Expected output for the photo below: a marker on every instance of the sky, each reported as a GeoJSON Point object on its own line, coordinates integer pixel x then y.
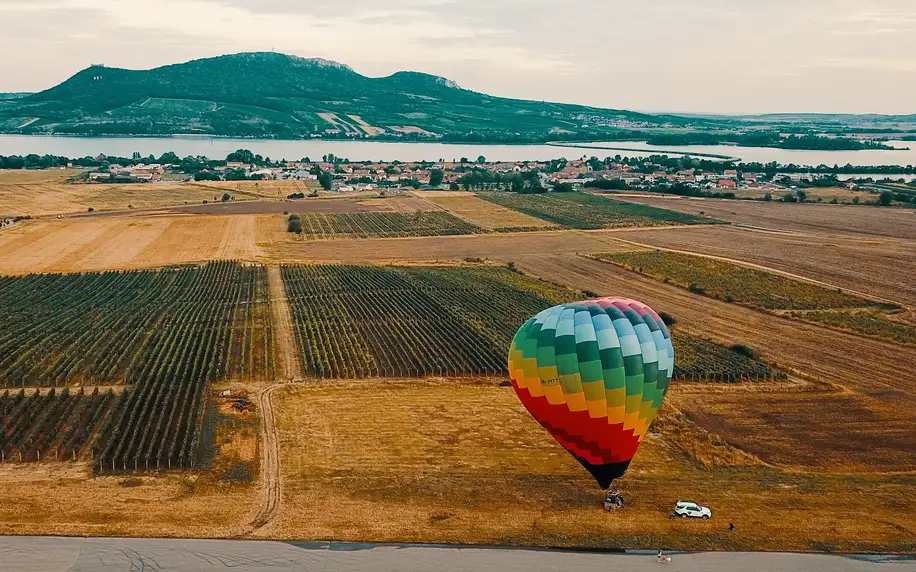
{"type": "Point", "coordinates": [719, 56]}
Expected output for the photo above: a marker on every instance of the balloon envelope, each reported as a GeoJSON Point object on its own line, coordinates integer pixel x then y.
{"type": "Point", "coordinates": [594, 374]}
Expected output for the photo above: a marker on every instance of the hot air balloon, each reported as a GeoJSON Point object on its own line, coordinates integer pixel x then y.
{"type": "Point", "coordinates": [594, 374]}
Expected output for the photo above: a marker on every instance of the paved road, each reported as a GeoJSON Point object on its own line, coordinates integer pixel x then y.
{"type": "Point", "coordinates": [50, 554]}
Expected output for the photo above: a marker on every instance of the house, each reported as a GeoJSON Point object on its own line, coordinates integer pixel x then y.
{"type": "Point", "coordinates": [727, 184]}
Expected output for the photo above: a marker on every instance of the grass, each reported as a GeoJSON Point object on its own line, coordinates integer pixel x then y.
{"type": "Point", "coordinates": [590, 212]}
{"type": "Point", "coordinates": [733, 283]}
{"type": "Point", "coordinates": [870, 323]}
{"type": "Point", "coordinates": [453, 463]}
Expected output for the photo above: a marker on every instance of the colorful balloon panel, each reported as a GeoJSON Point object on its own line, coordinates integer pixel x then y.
{"type": "Point", "coordinates": [594, 374]}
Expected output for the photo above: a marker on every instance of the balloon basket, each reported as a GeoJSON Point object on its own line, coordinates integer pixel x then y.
{"type": "Point", "coordinates": [613, 500]}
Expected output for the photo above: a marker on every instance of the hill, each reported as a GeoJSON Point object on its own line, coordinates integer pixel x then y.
{"type": "Point", "coordinates": [275, 95]}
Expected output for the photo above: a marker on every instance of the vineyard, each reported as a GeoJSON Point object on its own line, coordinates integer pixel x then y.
{"type": "Point", "coordinates": [701, 360]}
{"type": "Point", "coordinates": [165, 333]}
{"type": "Point", "coordinates": [359, 322]}
{"type": "Point", "coordinates": [384, 225]}
{"type": "Point", "coordinates": [362, 322]}
{"type": "Point", "coordinates": [590, 212]}
{"type": "Point", "coordinates": [869, 323]}
{"type": "Point", "coordinates": [55, 425]}
{"type": "Point", "coordinates": [733, 283]}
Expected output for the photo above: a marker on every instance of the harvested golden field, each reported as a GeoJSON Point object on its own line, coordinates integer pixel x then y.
{"type": "Point", "coordinates": [451, 463]}
{"type": "Point", "coordinates": [266, 189]}
{"type": "Point", "coordinates": [817, 218]}
{"type": "Point", "coordinates": [484, 214]}
{"type": "Point", "coordinates": [868, 370]}
{"type": "Point", "coordinates": [883, 268]}
{"type": "Point", "coordinates": [127, 242]}
{"type": "Point", "coordinates": [55, 197]}
{"type": "Point", "coordinates": [501, 247]}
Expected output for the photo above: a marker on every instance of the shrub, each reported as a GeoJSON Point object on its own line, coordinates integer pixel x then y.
{"type": "Point", "coordinates": [294, 225]}
{"type": "Point", "coordinates": [668, 319]}
{"type": "Point", "coordinates": [746, 351]}
{"type": "Point", "coordinates": [227, 197]}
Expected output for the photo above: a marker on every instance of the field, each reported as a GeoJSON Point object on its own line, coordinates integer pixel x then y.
{"type": "Point", "coordinates": [827, 194]}
{"type": "Point", "coordinates": [452, 463]}
{"type": "Point", "coordinates": [502, 247]}
{"type": "Point", "coordinates": [482, 213]}
{"type": "Point", "coordinates": [590, 212]}
{"type": "Point", "coordinates": [369, 402]}
{"type": "Point", "coordinates": [167, 334]}
{"type": "Point", "coordinates": [354, 322]}
{"type": "Point", "coordinates": [884, 268]}
{"type": "Point", "coordinates": [726, 281]}
{"type": "Point", "coordinates": [765, 290]}
{"type": "Point", "coordinates": [854, 379]}
{"type": "Point", "coordinates": [43, 193]}
{"type": "Point", "coordinates": [811, 218]}
{"type": "Point", "coordinates": [326, 205]}
{"type": "Point", "coordinates": [130, 242]}
{"type": "Point", "coordinates": [56, 425]}
{"type": "Point", "coordinates": [368, 322]}
{"type": "Point", "coordinates": [384, 225]}
{"type": "Point", "coordinates": [869, 323]}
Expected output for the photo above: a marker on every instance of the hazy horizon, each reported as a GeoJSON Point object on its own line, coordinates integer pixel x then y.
{"type": "Point", "coordinates": [705, 56]}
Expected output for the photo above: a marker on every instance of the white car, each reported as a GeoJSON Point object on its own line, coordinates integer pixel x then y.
{"type": "Point", "coordinates": [689, 509]}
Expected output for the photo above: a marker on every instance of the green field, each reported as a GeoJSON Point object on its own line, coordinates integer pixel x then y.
{"type": "Point", "coordinates": [733, 283]}
{"type": "Point", "coordinates": [869, 323]}
{"type": "Point", "coordinates": [590, 212]}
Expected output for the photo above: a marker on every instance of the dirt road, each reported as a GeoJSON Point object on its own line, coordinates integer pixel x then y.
{"type": "Point", "coordinates": [287, 352]}
{"type": "Point", "coordinates": [289, 370]}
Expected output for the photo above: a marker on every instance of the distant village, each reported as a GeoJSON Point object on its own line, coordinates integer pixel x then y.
{"type": "Point", "coordinates": [343, 176]}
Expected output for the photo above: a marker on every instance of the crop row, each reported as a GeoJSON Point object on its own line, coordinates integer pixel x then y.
{"type": "Point", "coordinates": [167, 333]}
{"type": "Point", "coordinates": [357, 322]}
{"type": "Point", "coordinates": [384, 225]}
{"type": "Point", "coordinates": [589, 212]}
{"type": "Point", "coordinates": [56, 425]}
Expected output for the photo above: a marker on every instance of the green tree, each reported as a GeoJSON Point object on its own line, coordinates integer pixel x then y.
{"type": "Point", "coordinates": [481, 160]}
{"type": "Point", "coordinates": [886, 198]}
{"type": "Point", "coordinates": [435, 177]}
{"type": "Point", "coordinates": [227, 197]}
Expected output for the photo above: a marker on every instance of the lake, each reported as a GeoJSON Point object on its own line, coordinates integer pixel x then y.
{"type": "Point", "coordinates": [218, 148]}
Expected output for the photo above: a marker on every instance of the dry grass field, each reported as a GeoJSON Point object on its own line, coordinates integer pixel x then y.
{"type": "Point", "coordinates": [884, 268]}
{"type": "Point", "coordinates": [811, 218]}
{"type": "Point", "coordinates": [482, 213]}
{"type": "Point", "coordinates": [44, 193]}
{"type": "Point", "coordinates": [501, 247]}
{"type": "Point", "coordinates": [128, 242]}
{"type": "Point", "coordinates": [442, 462]}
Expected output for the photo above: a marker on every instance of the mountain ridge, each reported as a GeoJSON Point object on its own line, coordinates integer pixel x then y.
{"type": "Point", "coordinates": [266, 94]}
